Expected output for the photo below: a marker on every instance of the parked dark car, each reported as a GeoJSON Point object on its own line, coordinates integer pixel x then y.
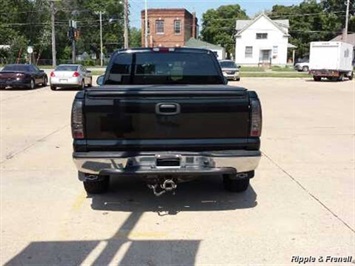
{"type": "Point", "coordinates": [22, 76]}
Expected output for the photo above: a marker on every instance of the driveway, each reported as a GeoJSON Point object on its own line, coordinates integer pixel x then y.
{"type": "Point", "coordinates": [299, 208]}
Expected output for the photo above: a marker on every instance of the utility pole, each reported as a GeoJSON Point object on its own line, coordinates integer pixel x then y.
{"type": "Point", "coordinates": [345, 33]}
{"type": "Point", "coordinates": [72, 28]}
{"type": "Point", "coordinates": [54, 52]}
{"type": "Point", "coordinates": [101, 43]}
{"type": "Point", "coordinates": [125, 24]}
{"type": "Point", "coordinates": [145, 23]}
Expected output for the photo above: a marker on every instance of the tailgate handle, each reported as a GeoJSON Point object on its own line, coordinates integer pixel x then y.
{"type": "Point", "coordinates": [167, 108]}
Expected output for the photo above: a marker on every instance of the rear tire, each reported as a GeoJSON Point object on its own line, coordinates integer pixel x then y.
{"type": "Point", "coordinates": [98, 186]}
{"type": "Point", "coordinates": [90, 83]}
{"type": "Point", "coordinates": [32, 85]}
{"type": "Point", "coordinates": [53, 88]}
{"type": "Point", "coordinates": [351, 76]}
{"type": "Point", "coordinates": [235, 185]}
{"type": "Point", "coordinates": [82, 85]}
{"type": "Point", "coordinates": [305, 69]}
{"type": "Point", "coordinates": [45, 81]}
{"type": "Point", "coordinates": [315, 78]}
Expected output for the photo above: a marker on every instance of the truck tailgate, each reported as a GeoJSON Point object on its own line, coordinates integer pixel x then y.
{"type": "Point", "coordinates": [166, 117]}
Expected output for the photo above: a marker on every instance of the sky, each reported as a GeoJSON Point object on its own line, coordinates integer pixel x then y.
{"type": "Point", "coordinates": [201, 6]}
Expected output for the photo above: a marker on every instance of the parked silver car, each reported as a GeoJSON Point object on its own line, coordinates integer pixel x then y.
{"type": "Point", "coordinates": [230, 69]}
{"type": "Point", "coordinates": [70, 76]}
{"type": "Point", "coordinates": [302, 64]}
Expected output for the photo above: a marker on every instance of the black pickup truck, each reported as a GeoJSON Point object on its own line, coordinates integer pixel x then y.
{"type": "Point", "coordinates": [166, 115]}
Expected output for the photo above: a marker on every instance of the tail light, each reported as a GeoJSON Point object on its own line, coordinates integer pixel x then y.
{"type": "Point", "coordinates": [163, 49]}
{"type": "Point", "coordinates": [76, 74]}
{"type": "Point", "coordinates": [52, 74]}
{"type": "Point", "coordinates": [77, 120]}
{"type": "Point", "coordinates": [256, 118]}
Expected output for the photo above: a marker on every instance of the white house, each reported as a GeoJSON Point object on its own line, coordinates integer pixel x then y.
{"type": "Point", "coordinates": [262, 41]}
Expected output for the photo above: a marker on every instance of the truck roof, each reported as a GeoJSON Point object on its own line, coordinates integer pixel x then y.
{"type": "Point", "coordinates": [165, 49]}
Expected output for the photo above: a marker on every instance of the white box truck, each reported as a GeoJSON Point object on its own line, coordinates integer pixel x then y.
{"type": "Point", "coordinates": [331, 60]}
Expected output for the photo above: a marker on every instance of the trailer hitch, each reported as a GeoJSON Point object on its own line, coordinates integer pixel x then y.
{"type": "Point", "coordinates": [167, 185]}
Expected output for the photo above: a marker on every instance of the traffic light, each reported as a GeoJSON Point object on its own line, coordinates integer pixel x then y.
{"type": "Point", "coordinates": [76, 34]}
{"type": "Point", "coordinates": [71, 32]}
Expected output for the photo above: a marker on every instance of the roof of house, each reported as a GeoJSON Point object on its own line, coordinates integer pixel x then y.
{"type": "Point", "coordinates": [281, 24]}
{"type": "Point", "coordinates": [192, 42]}
{"type": "Point", "coordinates": [350, 38]}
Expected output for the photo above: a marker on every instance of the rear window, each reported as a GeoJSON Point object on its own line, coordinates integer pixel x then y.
{"type": "Point", "coordinates": [66, 68]}
{"type": "Point", "coordinates": [22, 68]}
{"type": "Point", "coordinates": [227, 64]}
{"type": "Point", "coordinates": [164, 68]}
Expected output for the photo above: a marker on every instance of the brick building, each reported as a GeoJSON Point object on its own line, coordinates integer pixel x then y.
{"type": "Point", "coordinates": [169, 27]}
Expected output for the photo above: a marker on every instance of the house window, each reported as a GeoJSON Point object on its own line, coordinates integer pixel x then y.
{"type": "Point", "coordinates": [248, 51]}
{"type": "Point", "coordinates": [275, 50]}
{"type": "Point", "coordinates": [148, 28]}
{"type": "Point", "coordinates": [159, 26]}
{"type": "Point", "coordinates": [260, 36]}
{"type": "Point", "coordinates": [177, 26]}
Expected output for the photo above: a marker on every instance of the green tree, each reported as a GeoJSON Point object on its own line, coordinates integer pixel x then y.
{"type": "Point", "coordinates": [14, 27]}
{"type": "Point", "coordinates": [8, 22]}
{"type": "Point", "coordinates": [338, 8]}
{"type": "Point", "coordinates": [308, 22]}
{"type": "Point", "coordinates": [135, 37]}
{"type": "Point", "coordinates": [218, 25]}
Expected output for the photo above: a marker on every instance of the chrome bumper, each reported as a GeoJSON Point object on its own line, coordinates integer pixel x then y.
{"type": "Point", "coordinates": [146, 163]}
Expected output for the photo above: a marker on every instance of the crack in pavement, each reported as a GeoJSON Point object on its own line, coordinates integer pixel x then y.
{"type": "Point", "coordinates": [12, 155]}
{"type": "Point", "coordinates": [308, 192]}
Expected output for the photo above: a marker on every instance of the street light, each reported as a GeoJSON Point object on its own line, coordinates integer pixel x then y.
{"type": "Point", "coordinates": [125, 22]}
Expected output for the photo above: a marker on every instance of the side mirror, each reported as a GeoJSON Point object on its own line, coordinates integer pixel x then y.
{"type": "Point", "coordinates": [238, 66]}
{"type": "Point", "coordinates": [225, 80]}
{"type": "Point", "coordinates": [100, 80]}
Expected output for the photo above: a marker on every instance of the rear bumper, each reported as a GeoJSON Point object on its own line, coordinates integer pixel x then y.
{"type": "Point", "coordinates": [65, 82]}
{"type": "Point", "coordinates": [145, 163]}
{"type": "Point", "coordinates": [15, 83]}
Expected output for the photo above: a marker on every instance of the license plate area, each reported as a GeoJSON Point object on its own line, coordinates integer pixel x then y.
{"type": "Point", "coordinates": [168, 162]}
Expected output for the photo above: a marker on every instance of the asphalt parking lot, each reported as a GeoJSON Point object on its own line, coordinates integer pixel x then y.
{"type": "Point", "coordinates": [300, 206]}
